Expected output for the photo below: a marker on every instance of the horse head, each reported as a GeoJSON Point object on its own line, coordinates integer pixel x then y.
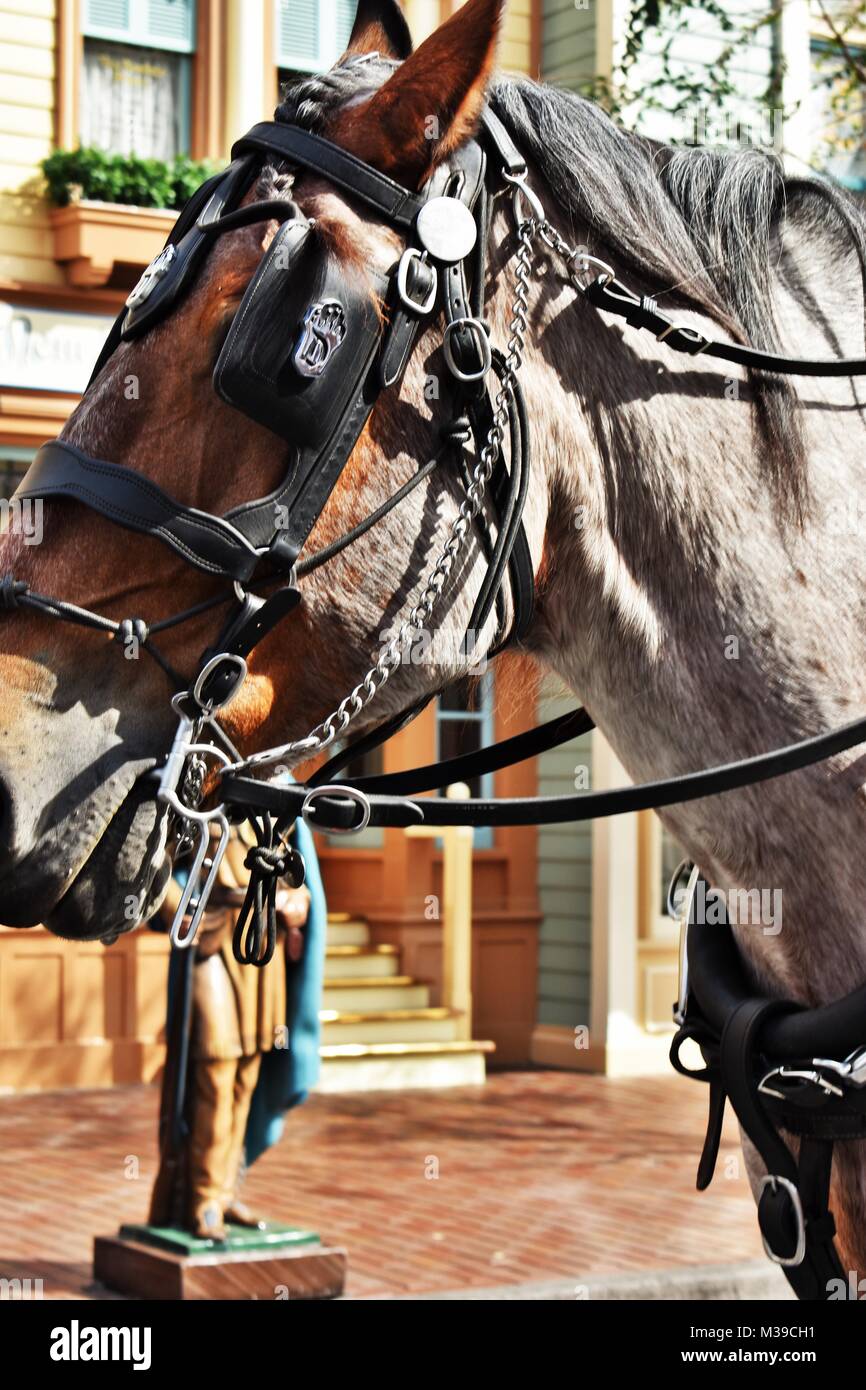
{"type": "Point", "coordinates": [87, 718]}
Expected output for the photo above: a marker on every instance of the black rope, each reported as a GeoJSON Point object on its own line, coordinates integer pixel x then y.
{"type": "Point", "coordinates": [255, 935]}
{"type": "Point", "coordinates": [16, 593]}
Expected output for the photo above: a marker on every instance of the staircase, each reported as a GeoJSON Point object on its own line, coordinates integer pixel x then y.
{"type": "Point", "coordinates": [379, 1031]}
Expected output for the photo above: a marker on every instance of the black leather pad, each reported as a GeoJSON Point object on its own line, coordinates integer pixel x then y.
{"type": "Point", "coordinates": [256, 370]}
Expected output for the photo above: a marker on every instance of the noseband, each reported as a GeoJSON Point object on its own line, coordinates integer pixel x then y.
{"type": "Point", "coordinates": [308, 356]}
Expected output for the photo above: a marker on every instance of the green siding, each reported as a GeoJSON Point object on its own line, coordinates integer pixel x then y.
{"type": "Point", "coordinates": [567, 44]}
{"type": "Point", "coordinates": [564, 886]}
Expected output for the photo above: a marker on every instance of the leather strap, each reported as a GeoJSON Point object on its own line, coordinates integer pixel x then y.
{"type": "Point", "coordinates": [395, 811]}
{"type": "Point", "coordinates": [614, 297]}
{"type": "Point", "coordinates": [298, 146]}
{"type": "Point", "coordinates": [208, 542]}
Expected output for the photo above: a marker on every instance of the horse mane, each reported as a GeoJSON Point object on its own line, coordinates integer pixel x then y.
{"type": "Point", "coordinates": [702, 226]}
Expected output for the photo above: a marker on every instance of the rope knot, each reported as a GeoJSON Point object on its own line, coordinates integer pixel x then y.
{"type": "Point", "coordinates": [458, 431]}
{"type": "Point", "coordinates": [267, 863]}
{"type": "Point", "coordinates": [132, 628]}
{"type": "Point", "coordinates": [10, 588]}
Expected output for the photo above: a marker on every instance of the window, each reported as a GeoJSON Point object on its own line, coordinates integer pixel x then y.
{"type": "Point", "coordinates": [136, 80]}
{"type": "Point", "coordinates": [464, 723]}
{"type": "Point", "coordinates": [14, 463]}
{"type": "Point", "coordinates": [311, 35]}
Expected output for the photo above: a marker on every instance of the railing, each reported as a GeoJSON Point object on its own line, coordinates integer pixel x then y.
{"type": "Point", "coordinates": [456, 912]}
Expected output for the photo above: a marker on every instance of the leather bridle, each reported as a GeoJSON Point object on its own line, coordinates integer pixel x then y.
{"type": "Point", "coordinates": [440, 272]}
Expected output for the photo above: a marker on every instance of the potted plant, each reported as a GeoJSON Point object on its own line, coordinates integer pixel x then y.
{"type": "Point", "coordinates": [113, 210]}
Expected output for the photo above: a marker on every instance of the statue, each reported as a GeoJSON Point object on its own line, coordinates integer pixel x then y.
{"type": "Point", "coordinates": [243, 1045]}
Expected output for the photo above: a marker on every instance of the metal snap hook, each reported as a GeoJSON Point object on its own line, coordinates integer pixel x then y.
{"type": "Point", "coordinates": [520, 188]}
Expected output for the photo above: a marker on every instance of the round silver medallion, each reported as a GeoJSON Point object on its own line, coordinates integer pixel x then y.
{"type": "Point", "coordinates": [446, 229]}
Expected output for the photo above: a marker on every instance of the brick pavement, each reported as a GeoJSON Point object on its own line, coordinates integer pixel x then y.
{"type": "Point", "coordinates": [541, 1175]}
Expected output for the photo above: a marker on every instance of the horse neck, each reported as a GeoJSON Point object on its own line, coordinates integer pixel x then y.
{"type": "Point", "coordinates": [696, 623]}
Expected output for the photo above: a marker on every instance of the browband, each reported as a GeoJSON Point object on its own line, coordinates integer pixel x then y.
{"type": "Point", "coordinates": [348, 172]}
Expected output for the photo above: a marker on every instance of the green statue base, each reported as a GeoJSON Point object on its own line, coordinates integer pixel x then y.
{"type": "Point", "coordinates": [281, 1262]}
{"type": "Point", "coordinates": [181, 1242]}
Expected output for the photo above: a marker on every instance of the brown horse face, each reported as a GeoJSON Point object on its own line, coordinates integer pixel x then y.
{"type": "Point", "coordinates": [85, 720]}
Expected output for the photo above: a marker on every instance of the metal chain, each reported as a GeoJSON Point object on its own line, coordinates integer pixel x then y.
{"type": "Point", "coordinates": [578, 261]}
{"type": "Point", "coordinates": [336, 723]}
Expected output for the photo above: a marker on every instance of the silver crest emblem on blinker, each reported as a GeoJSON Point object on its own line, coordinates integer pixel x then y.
{"type": "Point", "coordinates": [156, 271]}
{"type": "Point", "coordinates": [322, 332]}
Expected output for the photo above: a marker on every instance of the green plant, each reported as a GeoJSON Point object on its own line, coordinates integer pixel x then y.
{"type": "Point", "coordinates": [89, 172]}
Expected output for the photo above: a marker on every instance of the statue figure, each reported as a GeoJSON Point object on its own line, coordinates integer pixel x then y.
{"type": "Point", "coordinates": [243, 1044]}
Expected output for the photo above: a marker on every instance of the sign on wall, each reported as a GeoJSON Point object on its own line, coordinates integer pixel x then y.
{"type": "Point", "coordinates": [48, 349]}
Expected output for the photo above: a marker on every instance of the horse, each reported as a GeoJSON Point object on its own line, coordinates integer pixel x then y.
{"type": "Point", "coordinates": [693, 528]}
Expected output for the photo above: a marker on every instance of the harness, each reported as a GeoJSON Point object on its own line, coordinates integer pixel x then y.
{"type": "Point", "coordinates": [783, 1068]}
{"type": "Point", "coordinates": [308, 357]}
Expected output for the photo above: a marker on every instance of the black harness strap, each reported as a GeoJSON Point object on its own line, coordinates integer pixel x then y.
{"type": "Point", "coordinates": [349, 173]}
{"type": "Point", "coordinates": [641, 311]}
{"type": "Point", "coordinates": [335, 812]}
{"type": "Point", "coordinates": [210, 543]}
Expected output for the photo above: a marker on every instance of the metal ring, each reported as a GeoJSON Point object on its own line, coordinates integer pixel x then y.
{"type": "Point", "coordinates": [605, 275]}
{"type": "Point", "coordinates": [773, 1180]}
{"type": "Point", "coordinates": [209, 667]}
{"type": "Point", "coordinates": [483, 341]}
{"type": "Point", "coordinates": [335, 789]}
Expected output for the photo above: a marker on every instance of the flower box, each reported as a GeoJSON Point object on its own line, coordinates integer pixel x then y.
{"type": "Point", "coordinates": [91, 239]}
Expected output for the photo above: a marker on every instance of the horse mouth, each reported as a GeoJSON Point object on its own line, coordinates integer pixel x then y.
{"type": "Point", "coordinates": [118, 881]}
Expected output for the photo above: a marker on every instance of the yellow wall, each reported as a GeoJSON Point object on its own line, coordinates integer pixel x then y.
{"type": "Point", "coordinates": [27, 94]}
{"type": "Point", "coordinates": [27, 56]}
{"type": "Point", "coordinates": [516, 46]}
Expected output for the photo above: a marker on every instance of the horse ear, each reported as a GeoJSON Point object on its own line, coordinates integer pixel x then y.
{"type": "Point", "coordinates": [379, 27]}
{"type": "Point", "coordinates": [432, 103]}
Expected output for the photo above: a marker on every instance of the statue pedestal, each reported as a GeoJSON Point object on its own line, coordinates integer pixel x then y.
{"type": "Point", "coordinates": [281, 1262]}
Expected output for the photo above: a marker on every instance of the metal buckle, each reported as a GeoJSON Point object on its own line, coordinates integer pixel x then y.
{"type": "Point", "coordinates": [230, 659]}
{"type": "Point", "coordinates": [335, 789]}
{"type": "Point", "coordinates": [852, 1070]}
{"type": "Point", "coordinates": [583, 261]}
{"type": "Point", "coordinates": [482, 339]}
{"type": "Point", "coordinates": [773, 1180]}
{"type": "Point", "coordinates": [811, 1077]}
{"type": "Point", "coordinates": [415, 306]}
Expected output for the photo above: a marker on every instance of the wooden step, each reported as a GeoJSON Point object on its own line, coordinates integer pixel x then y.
{"type": "Point", "coordinates": [388, 1025]}
{"type": "Point", "coordinates": [368, 962]}
{"type": "Point", "coordinates": [358, 994]}
{"type": "Point", "coordinates": [352, 932]}
{"type": "Point", "coordinates": [402, 1066]}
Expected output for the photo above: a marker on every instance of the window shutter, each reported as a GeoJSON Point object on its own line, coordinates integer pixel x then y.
{"type": "Point", "coordinates": [106, 19]}
{"type": "Point", "coordinates": [166, 24]}
{"type": "Point", "coordinates": [345, 20]}
{"type": "Point", "coordinates": [171, 24]}
{"type": "Point", "coordinates": [298, 34]}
